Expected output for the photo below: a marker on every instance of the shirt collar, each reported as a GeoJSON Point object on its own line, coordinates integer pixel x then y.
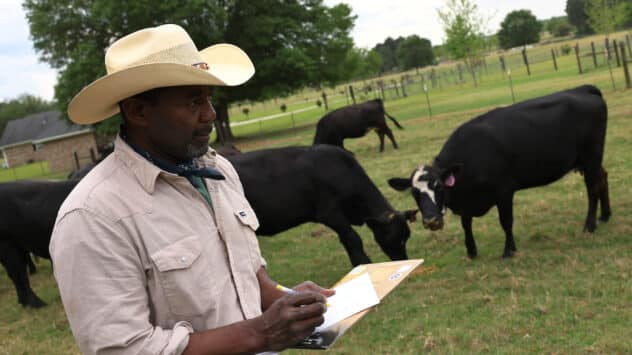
{"type": "Point", "coordinates": [147, 172]}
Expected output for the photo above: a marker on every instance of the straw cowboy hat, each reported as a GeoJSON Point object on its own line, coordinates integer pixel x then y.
{"type": "Point", "coordinates": [152, 58]}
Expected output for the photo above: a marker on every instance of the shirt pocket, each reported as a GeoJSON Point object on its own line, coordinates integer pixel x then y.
{"type": "Point", "coordinates": [247, 217]}
{"type": "Point", "coordinates": [185, 277]}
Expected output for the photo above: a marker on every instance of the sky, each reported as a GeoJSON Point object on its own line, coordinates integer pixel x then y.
{"type": "Point", "coordinates": [21, 72]}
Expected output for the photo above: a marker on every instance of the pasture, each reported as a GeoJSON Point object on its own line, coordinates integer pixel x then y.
{"type": "Point", "coordinates": [564, 291]}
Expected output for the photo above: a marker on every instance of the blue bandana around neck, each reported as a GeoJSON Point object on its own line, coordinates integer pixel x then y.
{"type": "Point", "coordinates": [186, 169]}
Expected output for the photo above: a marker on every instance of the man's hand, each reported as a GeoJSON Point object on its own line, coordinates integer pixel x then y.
{"type": "Point", "coordinates": [291, 319]}
{"type": "Point", "coordinates": [313, 287]}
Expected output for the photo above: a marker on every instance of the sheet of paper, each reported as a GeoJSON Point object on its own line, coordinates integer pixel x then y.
{"type": "Point", "coordinates": [350, 298]}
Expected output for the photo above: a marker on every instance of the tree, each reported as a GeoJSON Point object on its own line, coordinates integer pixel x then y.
{"type": "Point", "coordinates": [293, 43]}
{"type": "Point", "coordinates": [606, 16]}
{"type": "Point", "coordinates": [464, 28]}
{"type": "Point", "coordinates": [361, 63]}
{"type": "Point", "coordinates": [519, 28]}
{"type": "Point", "coordinates": [387, 51]}
{"type": "Point", "coordinates": [577, 16]}
{"type": "Point", "coordinates": [414, 52]}
{"type": "Point", "coordinates": [21, 106]}
{"type": "Point", "coordinates": [558, 26]}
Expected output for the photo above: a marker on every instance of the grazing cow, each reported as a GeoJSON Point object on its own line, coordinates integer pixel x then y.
{"type": "Point", "coordinates": [355, 121]}
{"type": "Point", "coordinates": [27, 216]}
{"type": "Point", "coordinates": [291, 186]}
{"type": "Point", "coordinates": [533, 143]}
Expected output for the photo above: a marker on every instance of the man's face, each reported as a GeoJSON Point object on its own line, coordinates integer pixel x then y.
{"type": "Point", "coordinates": [180, 122]}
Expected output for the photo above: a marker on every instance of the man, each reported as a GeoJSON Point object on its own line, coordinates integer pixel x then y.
{"type": "Point", "coordinates": [154, 251]}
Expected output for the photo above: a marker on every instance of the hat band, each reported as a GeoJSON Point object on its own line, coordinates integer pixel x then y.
{"type": "Point", "coordinates": [185, 53]}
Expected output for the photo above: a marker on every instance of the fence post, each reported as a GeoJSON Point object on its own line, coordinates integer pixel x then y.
{"type": "Point", "coordinates": [503, 69]}
{"type": "Point", "coordinates": [433, 78]}
{"type": "Point", "coordinates": [594, 54]}
{"type": "Point", "coordinates": [460, 70]}
{"type": "Point", "coordinates": [394, 82]}
{"type": "Point", "coordinates": [579, 61]}
{"type": "Point", "coordinates": [626, 72]}
{"type": "Point", "coordinates": [352, 94]}
{"type": "Point", "coordinates": [554, 60]}
{"type": "Point", "coordinates": [381, 84]}
{"type": "Point", "coordinates": [607, 42]}
{"type": "Point", "coordinates": [93, 156]}
{"type": "Point", "coordinates": [526, 60]}
{"type": "Point", "coordinates": [403, 83]}
{"type": "Point", "coordinates": [76, 160]}
{"type": "Point", "coordinates": [513, 96]}
{"type": "Point", "coordinates": [325, 101]}
{"type": "Point", "coordinates": [616, 52]}
{"type": "Point", "coordinates": [428, 100]}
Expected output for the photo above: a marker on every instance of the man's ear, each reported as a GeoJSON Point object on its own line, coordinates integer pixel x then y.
{"type": "Point", "coordinates": [399, 184]}
{"type": "Point", "coordinates": [135, 111]}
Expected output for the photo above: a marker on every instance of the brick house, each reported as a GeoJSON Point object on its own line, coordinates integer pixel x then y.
{"type": "Point", "coordinates": [46, 137]}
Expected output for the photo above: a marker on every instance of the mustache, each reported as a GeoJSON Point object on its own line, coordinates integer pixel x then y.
{"type": "Point", "coordinates": [202, 131]}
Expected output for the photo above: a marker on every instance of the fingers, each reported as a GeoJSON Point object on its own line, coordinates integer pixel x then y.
{"type": "Point", "coordinates": [311, 286]}
{"type": "Point", "coordinates": [306, 298]}
{"type": "Point", "coordinates": [292, 318]}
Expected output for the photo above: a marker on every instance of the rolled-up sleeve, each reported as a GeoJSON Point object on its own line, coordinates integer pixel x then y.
{"type": "Point", "coordinates": [102, 283]}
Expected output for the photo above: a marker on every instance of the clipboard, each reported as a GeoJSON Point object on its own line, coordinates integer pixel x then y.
{"type": "Point", "coordinates": [384, 277]}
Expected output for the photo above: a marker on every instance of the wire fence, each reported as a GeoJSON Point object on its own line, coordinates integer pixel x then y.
{"type": "Point", "coordinates": [583, 57]}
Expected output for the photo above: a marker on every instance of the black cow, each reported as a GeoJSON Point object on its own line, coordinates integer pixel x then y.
{"type": "Point", "coordinates": [533, 143]}
{"type": "Point", "coordinates": [27, 217]}
{"type": "Point", "coordinates": [355, 121]}
{"type": "Point", "coordinates": [325, 184]}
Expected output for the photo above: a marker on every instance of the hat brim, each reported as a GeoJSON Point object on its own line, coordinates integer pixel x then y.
{"type": "Point", "coordinates": [228, 65]}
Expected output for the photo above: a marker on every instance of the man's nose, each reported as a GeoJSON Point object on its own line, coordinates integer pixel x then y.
{"type": "Point", "coordinates": [208, 112]}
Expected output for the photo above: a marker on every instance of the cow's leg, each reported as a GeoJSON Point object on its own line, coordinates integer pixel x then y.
{"type": "Point", "coordinates": [14, 261]}
{"type": "Point", "coordinates": [470, 244]}
{"type": "Point", "coordinates": [31, 264]}
{"type": "Point", "coordinates": [505, 214]}
{"type": "Point", "coordinates": [592, 180]}
{"type": "Point", "coordinates": [604, 196]}
{"type": "Point", "coordinates": [348, 237]}
{"type": "Point", "coordinates": [380, 134]}
{"type": "Point", "coordinates": [389, 133]}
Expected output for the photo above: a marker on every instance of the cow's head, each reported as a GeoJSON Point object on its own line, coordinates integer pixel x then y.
{"type": "Point", "coordinates": [391, 232]}
{"type": "Point", "coordinates": [430, 187]}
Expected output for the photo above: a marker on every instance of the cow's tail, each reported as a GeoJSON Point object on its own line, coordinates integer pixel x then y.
{"type": "Point", "coordinates": [394, 120]}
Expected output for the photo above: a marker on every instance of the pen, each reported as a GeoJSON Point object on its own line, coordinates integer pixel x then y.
{"type": "Point", "coordinates": [290, 291]}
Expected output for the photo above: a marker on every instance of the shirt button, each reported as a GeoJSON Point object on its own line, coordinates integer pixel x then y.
{"type": "Point", "coordinates": [183, 259]}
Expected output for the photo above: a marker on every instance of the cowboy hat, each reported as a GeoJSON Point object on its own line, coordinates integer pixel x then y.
{"type": "Point", "coordinates": [157, 57]}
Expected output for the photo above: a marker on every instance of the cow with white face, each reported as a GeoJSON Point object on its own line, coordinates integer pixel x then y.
{"type": "Point", "coordinates": [430, 189]}
{"type": "Point", "coordinates": [533, 143]}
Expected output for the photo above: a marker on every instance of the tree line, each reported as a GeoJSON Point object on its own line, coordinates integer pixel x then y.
{"type": "Point", "coordinates": [294, 43]}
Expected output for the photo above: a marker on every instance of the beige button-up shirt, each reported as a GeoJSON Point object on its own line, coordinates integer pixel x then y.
{"type": "Point", "coordinates": [142, 260]}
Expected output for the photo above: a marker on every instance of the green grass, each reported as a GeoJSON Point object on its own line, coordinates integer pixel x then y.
{"type": "Point", "coordinates": [564, 292]}
{"type": "Point", "coordinates": [37, 170]}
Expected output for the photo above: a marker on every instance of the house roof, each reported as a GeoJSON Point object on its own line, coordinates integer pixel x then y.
{"type": "Point", "coordinates": [39, 127]}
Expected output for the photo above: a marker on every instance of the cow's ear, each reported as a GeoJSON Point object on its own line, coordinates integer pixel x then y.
{"type": "Point", "coordinates": [449, 175]}
{"type": "Point", "coordinates": [411, 215]}
{"type": "Point", "coordinates": [399, 184]}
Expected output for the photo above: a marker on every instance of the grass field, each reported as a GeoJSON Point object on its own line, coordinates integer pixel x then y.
{"type": "Point", "coordinates": [37, 170]}
{"type": "Point", "coordinates": [565, 292]}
